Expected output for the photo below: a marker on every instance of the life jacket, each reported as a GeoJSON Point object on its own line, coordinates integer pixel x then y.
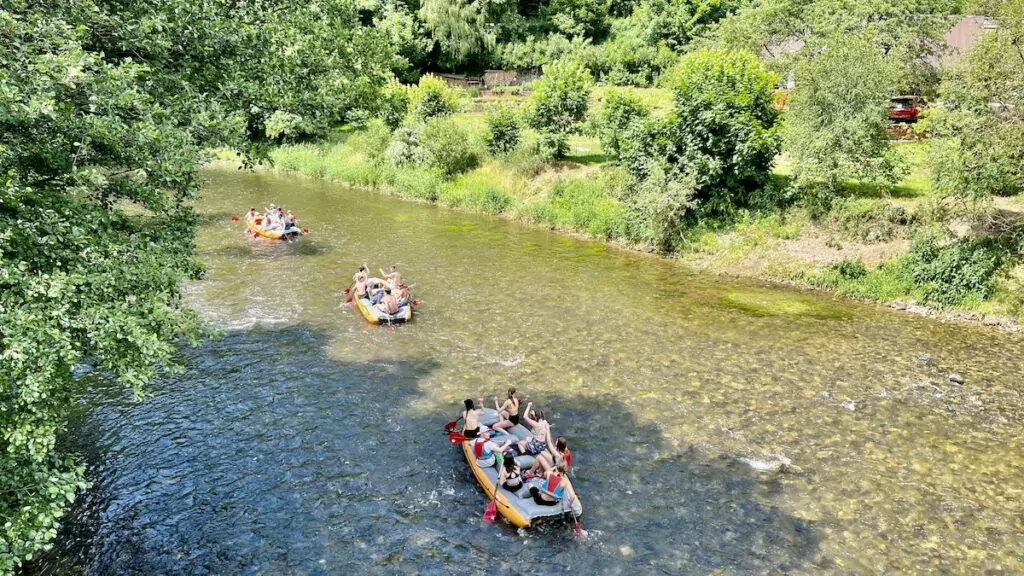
{"type": "Point", "coordinates": [568, 458]}
{"type": "Point", "coordinates": [478, 448]}
{"type": "Point", "coordinates": [553, 481]}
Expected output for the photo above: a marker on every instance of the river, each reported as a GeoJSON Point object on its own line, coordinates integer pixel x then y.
{"type": "Point", "coordinates": [304, 441]}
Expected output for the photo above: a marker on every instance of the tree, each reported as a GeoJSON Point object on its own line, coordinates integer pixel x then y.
{"type": "Point", "coordinates": [908, 33]}
{"type": "Point", "coordinates": [559, 104]}
{"type": "Point", "coordinates": [979, 132]}
{"type": "Point", "coordinates": [459, 27]}
{"type": "Point", "coordinates": [710, 154]}
{"type": "Point", "coordinates": [838, 112]}
{"type": "Point", "coordinates": [577, 18]}
{"type": "Point", "coordinates": [105, 107]}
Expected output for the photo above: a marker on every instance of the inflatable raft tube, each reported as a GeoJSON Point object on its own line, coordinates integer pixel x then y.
{"type": "Point", "coordinates": [375, 316]}
{"type": "Point", "coordinates": [258, 230]}
{"type": "Point", "coordinates": [520, 511]}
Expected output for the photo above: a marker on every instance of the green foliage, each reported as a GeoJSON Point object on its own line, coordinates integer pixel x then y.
{"type": "Point", "coordinates": [837, 273]}
{"type": "Point", "coordinates": [105, 108]}
{"type": "Point", "coordinates": [433, 98]}
{"type": "Point", "coordinates": [657, 207]}
{"type": "Point", "coordinates": [503, 130]}
{"type": "Point", "coordinates": [837, 116]}
{"type": "Point", "coordinates": [979, 132]}
{"type": "Point", "coordinates": [868, 220]}
{"type": "Point", "coordinates": [284, 126]}
{"type": "Point", "coordinates": [619, 113]}
{"type": "Point", "coordinates": [676, 23]}
{"type": "Point", "coordinates": [407, 38]}
{"type": "Point", "coordinates": [459, 27]}
{"type": "Point", "coordinates": [406, 147]}
{"type": "Point", "coordinates": [583, 204]}
{"type": "Point", "coordinates": [625, 59]}
{"type": "Point", "coordinates": [394, 104]}
{"type": "Point", "coordinates": [950, 274]}
{"type": "Point", "coordinates": [552, 145]}
{"type": "Point", "coordinates": [910, 34]}
{"type": "Point", "coordinates": [577, 18]}
{"type": "Point", "coordinates": [559, 104]}
{"type": "Point", "coordinates": [449, 147]}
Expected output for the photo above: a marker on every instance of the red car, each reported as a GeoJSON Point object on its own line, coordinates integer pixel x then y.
{"type": "Point", "coordinates": [905, 108]}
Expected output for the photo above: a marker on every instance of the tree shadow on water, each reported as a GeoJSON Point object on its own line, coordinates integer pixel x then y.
{"type": "Point", "coordinates": [650, 508]}
{"type": "Point", "coordinates": [268, 457]}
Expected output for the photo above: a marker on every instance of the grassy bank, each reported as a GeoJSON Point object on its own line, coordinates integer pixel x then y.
{"type": "Point", "coordinates": [883, 246]}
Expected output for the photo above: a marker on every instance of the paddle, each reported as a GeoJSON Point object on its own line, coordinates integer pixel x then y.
{"type": "Point", "coordinates": [580, 534]}
{"type": "Point", "coordinates": [346, 291]}
{"type": "Point", "coordinates": [491, 513]}
{"type": "Point", "coordinates": [450, 426]}
{"type": "Point", "coordinates": [235, 218]}
{"type": "Point", "coordinates": [456, 437]}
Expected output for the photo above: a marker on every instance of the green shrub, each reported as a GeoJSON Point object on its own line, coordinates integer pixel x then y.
{"type": "Point", "coordinates": [407, 148]}
{"type": "Point", "coordinates": [284, 126]}
{"type": "Point", "coordinates": [372, 142]}
{"type": "Point", "coordinates": [552, 145]}
{"type": "Point", "coordinates": [433, 98]}
{"type": "Point", "coordinates": [394, 104]}
{"type": "Point", "coordinates": [620, 111]}
{"type": "Point", "coordinates": [419, 183]}
{"type": "Point", "coordinates": [838, 272]}
{"type": "Point", "coordinates": [559, 103]}
{"type": "Point", "coordinates": [449, 147]}
{"type": "Point", "coordinates": [585, 204]}
{"type": "Point", "coordinates": [868, 220]}
{"type": "Point", "coordinates": [474, 193]}
{"type": "Point", "coordinates": [526, 161]}
{"type": "Point", "coordinates": [949, 274]}
{"type": "Point", "coordinates": [503, 130]}
{"type": "Point", "coordinates": [712, 153]}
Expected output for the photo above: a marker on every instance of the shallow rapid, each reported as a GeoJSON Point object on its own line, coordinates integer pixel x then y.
{"type": "Point", "coordinates": [716, 424]}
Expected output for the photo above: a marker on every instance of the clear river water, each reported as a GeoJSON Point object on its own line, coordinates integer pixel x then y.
{"type": "Point", "coordinates": [719, 426]}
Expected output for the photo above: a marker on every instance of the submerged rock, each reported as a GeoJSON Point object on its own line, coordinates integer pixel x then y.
{"type": "Point", "coordinates": [955, 378]}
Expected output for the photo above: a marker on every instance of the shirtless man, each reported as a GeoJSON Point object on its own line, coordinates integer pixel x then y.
{"type": "Point", "coordinates": [388, 304]}
{"type": "Point", "coordinates": [251, 216]}
{"type": "Point", "coordinates": [363, 271]}
{"type": "Point", "coordinates": [360, 289]}
{"type": "Point", "coordinates": [404, 295]}
{"type": "Point", "coordinates": [392, 277]}
{"type": "Point", "coordinates": [471, 418]}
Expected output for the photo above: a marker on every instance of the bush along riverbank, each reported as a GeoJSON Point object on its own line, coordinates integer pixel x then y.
{"type": "Point", "coordinates": [623, 165]}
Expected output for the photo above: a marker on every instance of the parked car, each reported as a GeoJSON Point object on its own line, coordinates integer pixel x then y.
{"type": "Point", "coordinates": [905, 109]}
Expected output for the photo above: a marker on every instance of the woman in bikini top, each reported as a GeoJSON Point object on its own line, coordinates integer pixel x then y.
{"type": "Point", "coordinates": [471, 419]}
{"type": "Point", "coordinates": [510, 409]}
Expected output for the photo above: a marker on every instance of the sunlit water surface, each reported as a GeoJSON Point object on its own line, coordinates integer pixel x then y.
{"type": "Point", "coordinates": [307, 442]}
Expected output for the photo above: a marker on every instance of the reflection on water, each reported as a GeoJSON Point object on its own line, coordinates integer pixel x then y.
{"type": "Point", "coordinates": [718, 424]}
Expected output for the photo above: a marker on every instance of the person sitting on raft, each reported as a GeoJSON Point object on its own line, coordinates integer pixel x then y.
{"type": "Point", "coordinates": [508, 412]}
{"type": "Point", "coordinates": [558, 453]}
{"type": "Point", "coordinates": [363, 271]}
{"type": "Point", "coordinates": [360, 289]}
{"type": "Point", "coordinates": [388, 304]}
{"type": "Point", "coordinates": [392, 277]}
{"type": "Point", "coordinates": [509, 477]}
{"type": "Point", "coordinates": [485, 449]}
{"type": "Point", "coordinates": [471, 418]}
{"type": "Point", "coordinates": [252, 215]}
{"type": "Point", "coordinates": [404, 295]}
{"type": "Point", "coordinates": [557, 488]}
{"type": "Point", "coordinates": [540, 430]}
{"type": "Point", "coordinates": [290, 223]}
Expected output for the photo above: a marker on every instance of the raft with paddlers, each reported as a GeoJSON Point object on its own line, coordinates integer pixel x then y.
{"type": "Point", "coordinates": [518, 507]}
{"type": "Point", "coordinates": [375, 315]}
{"type": "Point", "coordinates": [256, 229]}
